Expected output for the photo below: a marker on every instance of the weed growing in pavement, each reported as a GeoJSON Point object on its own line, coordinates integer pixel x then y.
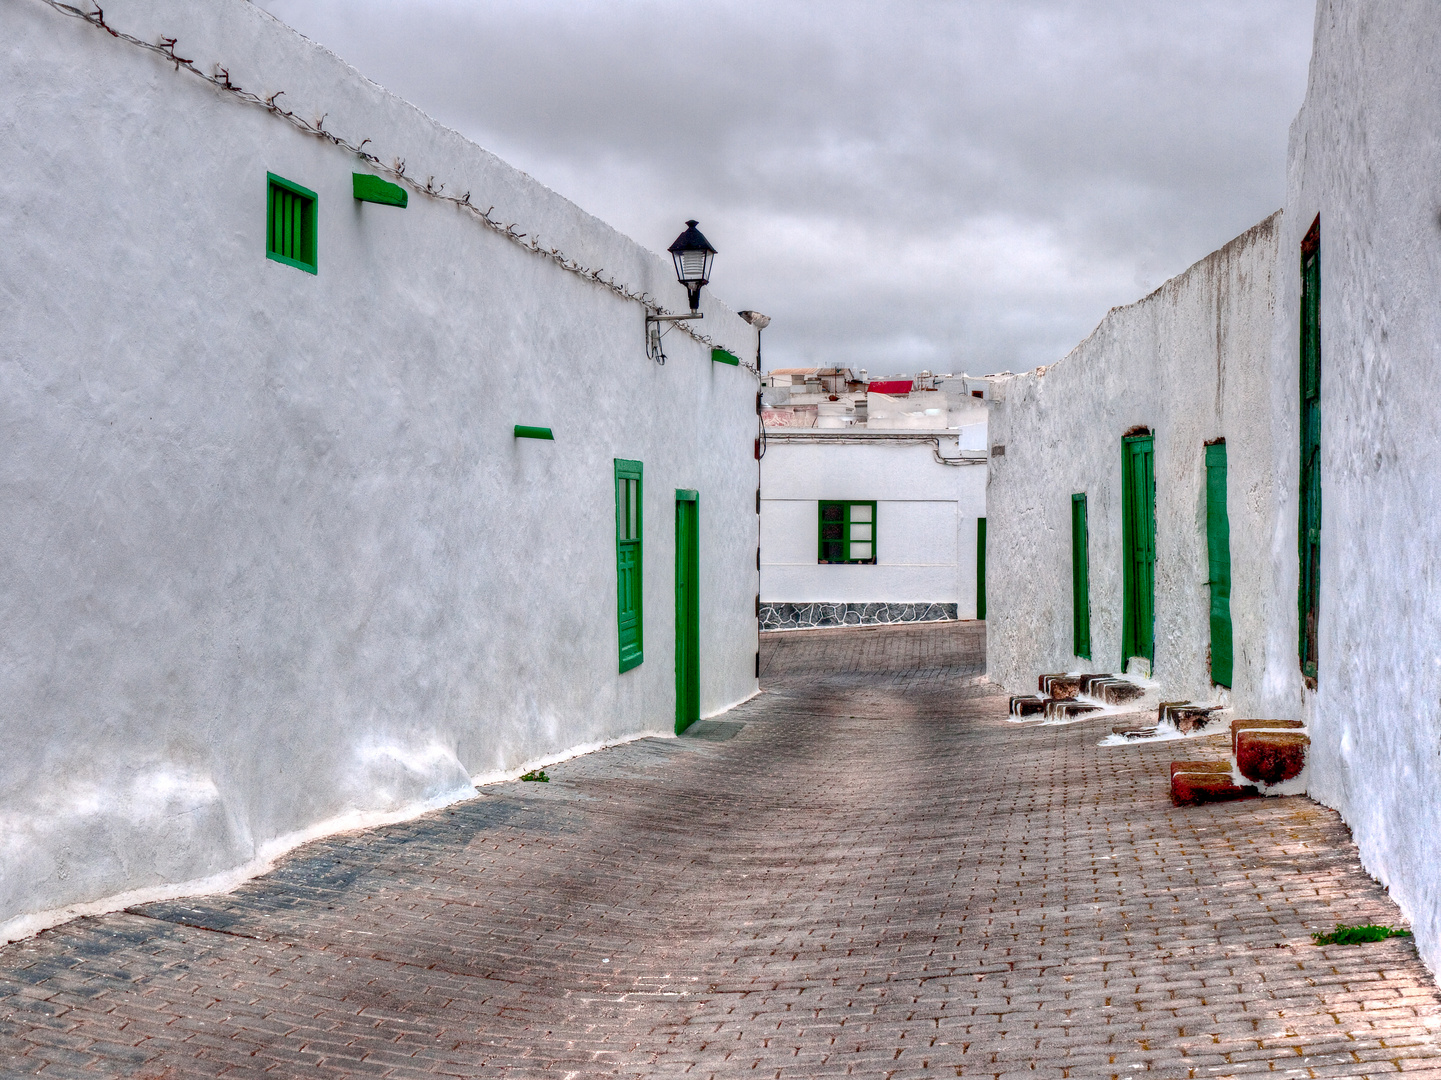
{"type": "Point", "coordinates": [537, 775]}
{"type": "Point", "coordinates": [1356, 935]}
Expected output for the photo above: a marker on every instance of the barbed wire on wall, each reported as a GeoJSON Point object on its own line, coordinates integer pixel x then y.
{"type": "Point", "coordinates": [396, 170]}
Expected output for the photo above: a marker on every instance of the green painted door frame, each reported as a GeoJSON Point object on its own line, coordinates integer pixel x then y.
{"type": "Point", "coordinates": [687, 609]}
{"type": "Point", "coordinates": [1308, 527]}
{"type": "Point", "coordinates": [1218, 564]}
{"type": "Point", "coordinates": [1138, 512]}
{"type": "Point", "coordinates": [981, 568]}
{"type": "Point", "coordinates": [1080, 578]}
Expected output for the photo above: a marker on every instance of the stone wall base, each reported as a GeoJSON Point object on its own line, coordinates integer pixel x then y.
{"type": "Point", "coordinates": [811, 616]}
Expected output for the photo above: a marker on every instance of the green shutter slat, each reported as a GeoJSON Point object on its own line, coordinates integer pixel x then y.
{"type": "Point", "coordinates": [524, 431]}
{"type": "Point", "coordinates": [1080, 578]}
{"type": "Point", "coordinates": [1308, 525]}
{"type": "Point", "coordinates": [373, 189]}
{"type": "Point", "coordinates": [629, 562]}
{"type": "Point", "coordinates": [980, 568]}
{"type": "Point", "coordinates": [1138, 514]}
{"type": "Point", "coordinates": [1218, 562]}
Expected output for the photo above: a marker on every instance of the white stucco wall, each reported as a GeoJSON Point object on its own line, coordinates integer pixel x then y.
{"type": "Point", "coordinates": [925, 521]}
{"type": "Point", "coordinates": [272, 555]}
{"type": "Point", "coordinates": [1192, 363]}
{"type": "Point", "coordinates": [1365, 157]}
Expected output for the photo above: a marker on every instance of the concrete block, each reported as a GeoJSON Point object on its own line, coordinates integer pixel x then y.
{"type": "Point", "coordinates": [1271, 756]}
{"type": "Point", "coordinates": [1197, 782]}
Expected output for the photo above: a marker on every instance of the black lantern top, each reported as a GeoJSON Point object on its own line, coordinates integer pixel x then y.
{"type": "Point", "coordinates": [692, 254]}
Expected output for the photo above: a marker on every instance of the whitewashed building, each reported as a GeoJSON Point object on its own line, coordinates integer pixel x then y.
{"type": "Point", "coordinates": [335, 479]}
{"type": "Point", "coordinates": [1311, 345]}
{"type": "Point", "coordinates": [873, 499]}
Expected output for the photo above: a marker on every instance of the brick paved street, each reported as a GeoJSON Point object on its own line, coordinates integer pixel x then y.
{"type": "Point", "coordinates": [875, 876]}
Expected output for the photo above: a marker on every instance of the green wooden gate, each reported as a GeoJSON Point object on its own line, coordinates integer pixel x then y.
{"type": "Point", "coordinates": [1218, 563]}
{"type": "Point", "coordinates": [1080, 578]}
{"type": "Point", "coordinates": [687, 609]}
{"type": "Point", "coordinates": [1309, 525]}
{"type": "Point", "coordinates": [1138, 511]}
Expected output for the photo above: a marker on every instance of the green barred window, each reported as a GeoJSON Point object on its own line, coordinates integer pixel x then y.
{"type": "Point", "coordinates": [847, 532]}
{"type": "Point", "coordinates": [290, 225]}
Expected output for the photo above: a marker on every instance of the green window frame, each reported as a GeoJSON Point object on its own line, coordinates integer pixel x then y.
{"type": "Point", "coordinates": [1218, 564]}
{"type": "Point", "coordinates": [846, 532]}
{"type": "Point", "coordinates": [290, 232]}
{"type": "Point", "coordinates": [1080, 578]}
{"type": "Point", "coordinates": [1138, 513]}
{"type": "Point", "coordinates": [629, 561]}
{"type": "Point", "coordinates": [1308, 526]}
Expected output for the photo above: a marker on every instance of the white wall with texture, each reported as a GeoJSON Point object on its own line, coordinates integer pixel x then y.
{"type": "Point", "coordinates": [1365, 158]}
{"type": "Point", "coordinates": [1191, 362]}
{"type": "Point", "coordinates": [272, 556]}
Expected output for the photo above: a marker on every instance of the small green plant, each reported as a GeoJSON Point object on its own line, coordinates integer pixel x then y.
{"type": "Point", "coordinates": [1356, 935]}
{"type": "Point", "coordinates": [537, 775]}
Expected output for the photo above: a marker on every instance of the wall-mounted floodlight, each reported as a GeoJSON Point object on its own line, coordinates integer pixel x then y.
{"type": "Point", "coordinates": [692, 254]}
{"type": "Point", "coordinates": [760, 322]}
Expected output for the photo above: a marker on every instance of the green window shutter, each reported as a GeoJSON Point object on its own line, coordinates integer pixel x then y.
{"type": "Point", "coordinates": [846, 532]}
{"type": "Point", "coordinates": [290, 233]}
{"type": "Point", "coordinates": [980, 568]}
{"type": "Point", "coordinates": [368, 188]}
{"type": "Point", "coordinates": [629, 530]}
{"type": "Point", "coordinates": [724, 356]}
{"type": "Point", "coordinates": [1138, 515]}
{"type": "Point", "coordinates": [1308, 593]}
{"type": "Point", "coordinates": [1080, 578]}
{"type": "Point", "coordinates": [1218, 562]}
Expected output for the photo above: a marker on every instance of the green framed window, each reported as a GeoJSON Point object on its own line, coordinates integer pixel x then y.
{"type": "Point", "coordinates": [1308, 592]}
{"type": "Point", "coordinates": [290, 224]}
{"type": "Point", "coordinates": [1218, 563]}
{"type": "Point", "coordinates": [1080, 578]}
{"type": "Point", "coordinates": [629, 529]}
{"type": "Point", "coordinates": [846, 532]}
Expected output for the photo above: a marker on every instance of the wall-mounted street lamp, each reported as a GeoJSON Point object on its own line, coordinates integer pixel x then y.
{"type": "Point", "coordinates": [692, 254]}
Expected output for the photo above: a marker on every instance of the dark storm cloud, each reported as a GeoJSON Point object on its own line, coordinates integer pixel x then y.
{"type": "Point", "coordinates": [965, 185]}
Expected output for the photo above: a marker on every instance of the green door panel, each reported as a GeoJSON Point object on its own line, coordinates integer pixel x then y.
{"type": "Point", "coordinates": [1138, 513]}
{"type": "Point", "coordinates": [1218, 564]}
{"type": "Point", "coordinates": [1308, 527]}
{"type": "Point", "coordinates": [980, 568]}
{"type": "Point", "coordinates": [687, 609]}
{"type": "Point", "coordinates": [629, 562]}
{"type": "Point", "coordinates": [1080, 578]}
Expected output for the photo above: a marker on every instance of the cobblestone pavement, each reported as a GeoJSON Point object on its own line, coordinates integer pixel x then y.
{"type": "Point", "coordinates": [876, 875]}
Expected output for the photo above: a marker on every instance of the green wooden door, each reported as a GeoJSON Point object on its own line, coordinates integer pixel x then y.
{"type": "Point", "coordinates": [980, 568]}
{"type": "Point", "coordinates": [629, 562]}
{"type": "Point", "coordinates": [1309, 525]}
{"type": "Point", "coordinates": [1080, 578]}
{"type": "Point", "coordinates": [1138, 511]}
{"type": "Point", "coordinates": [1218, 564]}
{"type": "Point", "coordinates": [687, 610]}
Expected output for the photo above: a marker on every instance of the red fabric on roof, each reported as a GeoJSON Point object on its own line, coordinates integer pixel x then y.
{"type": "Point", "coordinates": [892, 386]}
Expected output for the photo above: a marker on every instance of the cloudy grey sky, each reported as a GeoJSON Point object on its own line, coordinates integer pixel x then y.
{"type": "Point", "coordinates": [960, 185]}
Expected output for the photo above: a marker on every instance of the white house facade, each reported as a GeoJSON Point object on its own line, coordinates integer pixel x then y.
{"type": "Point", "coordinates": [1311, 345]}
{"type": "Point", "coordinates": [316, 506]}
{"type": "Point", "coordinates": [876, 519]}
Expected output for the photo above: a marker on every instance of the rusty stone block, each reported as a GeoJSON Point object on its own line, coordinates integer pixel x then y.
{"type": "Point", "coordinates": [1061, 685]}
{"type": "Point", "coordinates": [1238, 726]}
{"type": "Point", "coordinates": [1089, 683]}
{"type": "Point", "coordinates": [1196, 782]}
{"type": "Point", "coordinates": [1119, 691]}
{"type": "Point", "coordinates": [1068, 708]}
{"type": "Point", "coordinates": [1027, 705]}
{"type": "Point", "coordinates": [1271, 756]}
